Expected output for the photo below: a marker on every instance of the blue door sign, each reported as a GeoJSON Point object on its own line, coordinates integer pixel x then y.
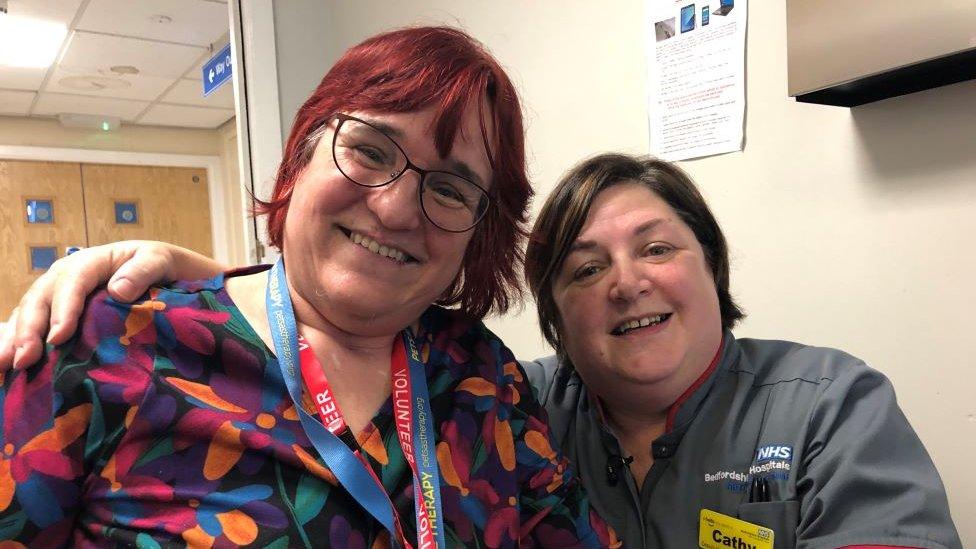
{"type": "Point", "coordinates": [217, 70]}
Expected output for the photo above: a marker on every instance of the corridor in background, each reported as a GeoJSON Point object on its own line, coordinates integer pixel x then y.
{"type": "Point", "coordinates": [52, 207]}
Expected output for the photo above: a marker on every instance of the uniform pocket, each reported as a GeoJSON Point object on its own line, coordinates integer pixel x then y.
{"type": "Point", "coordinates": [781, 516]}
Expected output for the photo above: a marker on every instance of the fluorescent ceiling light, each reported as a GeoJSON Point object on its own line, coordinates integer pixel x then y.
{"type": "Point", "coordinates": [28, 42]}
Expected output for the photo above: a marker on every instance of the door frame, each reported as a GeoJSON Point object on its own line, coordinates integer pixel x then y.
{"type": "Point", "coordinates": [259, 135]}
{"type": "Point", "coordinates": [215, 177]}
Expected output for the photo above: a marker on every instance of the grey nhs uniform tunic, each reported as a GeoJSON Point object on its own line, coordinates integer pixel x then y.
{"type": "Point", "coordinates": [843, 464]}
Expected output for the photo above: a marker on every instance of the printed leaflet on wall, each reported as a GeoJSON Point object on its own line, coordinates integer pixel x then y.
{"type": "Point", "coordinates": [696, 69]}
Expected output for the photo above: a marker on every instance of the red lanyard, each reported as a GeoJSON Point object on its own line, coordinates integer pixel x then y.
{"type": "Point", "coordinates": [331, 416]}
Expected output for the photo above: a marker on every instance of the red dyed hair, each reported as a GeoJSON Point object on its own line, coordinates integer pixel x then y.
{"type": "Point", "coordinates": [409, 70]}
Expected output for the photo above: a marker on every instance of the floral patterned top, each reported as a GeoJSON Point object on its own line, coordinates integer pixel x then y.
{"type": "Point", "coordinates": [167, 423]}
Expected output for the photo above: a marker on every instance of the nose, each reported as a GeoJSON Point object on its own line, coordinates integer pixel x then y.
{"type": "Point", "coordinates": [629, 282]}
{"type": "Point", "coordinates": [397, 204]}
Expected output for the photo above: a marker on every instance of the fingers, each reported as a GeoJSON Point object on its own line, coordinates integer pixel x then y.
{"type": "Point", "coordinates": [148, 265]}
{"type": "Point", "coordinates": [57, 298]}
{"type": "Point", "coordinates": [32, 321]}
{"type": "Point", "coordinates": [7, 342]}
{"type": "Point", "coordinates": [68, 296]}
{"type": "Point", "coordinates": [89, 268]}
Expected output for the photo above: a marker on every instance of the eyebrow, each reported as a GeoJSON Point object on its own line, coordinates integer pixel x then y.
{"type": "Point", "coordinates": [389, 130]}
{"type": "Point", "coordinates": [581, 245]}
{"type": "Point", "coordinates": [456, 166]}
{"type": "Point", "coordinates": [465, 171]}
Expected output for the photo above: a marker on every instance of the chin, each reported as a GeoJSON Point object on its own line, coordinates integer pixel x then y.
{"type": "Point", "coordinates": [368, 304]}
{"type": "Point", "coordinates": [373, 308]}
{"type": "Point", "coordinates": [647, 374]}
{"type": "Point", "coordinates": [648, 367]}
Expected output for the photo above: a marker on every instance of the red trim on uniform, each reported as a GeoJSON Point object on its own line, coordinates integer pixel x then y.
{"type": "Point", "coordinates": [673, 409]}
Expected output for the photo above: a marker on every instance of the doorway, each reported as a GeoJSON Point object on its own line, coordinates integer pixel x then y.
{"type": "Point", "coordinates": [55, 208]}
{"type": "Point", "coordinates": [123, 108]}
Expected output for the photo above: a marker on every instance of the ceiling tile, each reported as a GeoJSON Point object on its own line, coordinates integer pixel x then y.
{"type": "Point", "coordinates": [190, 92]}
{"type": "Point", "coordinates": [197, 72]}
{"type": "Point", "coordinates": [62, 11]}
{"type": "Point", "coordinates": [16, 102]}
{"type": "Point", "coordinates": [189, 21]}
{"type": "Point", "coordinates": [56, 11]}
{"type": "Point", "coordinates": [17, 78]}
{"type": "Point", "coordinates": [96, 51]}
{"type": "Point", "coordinates": [107, 84]}
{"type": "Point", "coordinates": [56, 103]}
{"type": "Point", "coordinates": [189, 117]}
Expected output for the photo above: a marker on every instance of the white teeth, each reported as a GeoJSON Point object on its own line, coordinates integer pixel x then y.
{"type": "Point", "coordinates": [376, 248]}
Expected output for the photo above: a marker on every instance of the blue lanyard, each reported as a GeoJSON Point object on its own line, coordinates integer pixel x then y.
{"type": "Point", "coordinates": [347, 468]}
{"type": "Point", "coordinates": [428, 492]}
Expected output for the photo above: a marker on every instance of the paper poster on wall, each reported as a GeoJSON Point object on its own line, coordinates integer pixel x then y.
{"type": "Point", "coordinates": [696, 70]}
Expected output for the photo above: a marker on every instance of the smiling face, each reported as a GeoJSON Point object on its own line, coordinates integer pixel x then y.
{"type": "Point", "coordinates": [637, 303]}
{"type": "Point", "coordinates": [367, 259]}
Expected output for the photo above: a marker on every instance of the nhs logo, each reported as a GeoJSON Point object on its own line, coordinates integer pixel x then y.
{"type": "Point", "coordinates": [774, 451]}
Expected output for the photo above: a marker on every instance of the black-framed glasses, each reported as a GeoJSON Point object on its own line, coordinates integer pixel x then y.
{"type": "Point", "coordinates": [370, 158]}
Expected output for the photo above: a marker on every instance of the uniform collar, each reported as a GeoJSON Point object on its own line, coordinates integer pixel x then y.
{"type": "Point", "coordinates": [686, 406]}
{"type": "Point", "coordinates": [684, 409]}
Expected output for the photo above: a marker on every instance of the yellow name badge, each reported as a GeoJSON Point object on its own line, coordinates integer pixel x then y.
{"type": "Point", "coordinates": [718, 531]}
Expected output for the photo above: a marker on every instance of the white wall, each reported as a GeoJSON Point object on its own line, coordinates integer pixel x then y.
{"type": "Point", "coordinates": [305, 49]}
{"type": "Point", "coordinates": [849, 228]}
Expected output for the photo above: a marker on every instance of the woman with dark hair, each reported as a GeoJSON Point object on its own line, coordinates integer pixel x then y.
{"type": "Point", "coordinates": [333, 399]}
{"type": "Point", "coordinates": [676, 426]}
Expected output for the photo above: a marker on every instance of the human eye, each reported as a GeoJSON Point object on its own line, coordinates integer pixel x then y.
{"type": "Point", "coordinates": [586, 271]}
{"type": "Point", "coordinates": [371, 156]}
{"type": "Point", "coordinates": [448, 193]}
{"type": "Point", "coordinates": [658, 250]}
{"type": "Point", "coordinates": [360, 147]}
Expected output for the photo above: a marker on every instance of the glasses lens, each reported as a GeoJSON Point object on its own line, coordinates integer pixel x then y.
{"type": "Point", "coordinates": [366, 155]}
{"type": "Point", "coordinates": [452, 202]}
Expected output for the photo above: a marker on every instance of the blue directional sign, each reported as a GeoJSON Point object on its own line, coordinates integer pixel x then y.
{"type": "Point", "coordinates": [217, 70]}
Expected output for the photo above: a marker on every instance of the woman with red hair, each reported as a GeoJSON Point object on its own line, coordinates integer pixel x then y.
{"type": "Point", "coordinates": [331, 399]}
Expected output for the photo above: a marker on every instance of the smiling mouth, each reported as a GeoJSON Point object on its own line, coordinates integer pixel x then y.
{"type": "Point", "coordinates": [636, 324]}
{"type": "Point", "coordinates": [371, 245]}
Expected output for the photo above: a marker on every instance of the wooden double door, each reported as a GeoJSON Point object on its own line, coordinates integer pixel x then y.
{"type": "Point", "coordinates": [49, 208]}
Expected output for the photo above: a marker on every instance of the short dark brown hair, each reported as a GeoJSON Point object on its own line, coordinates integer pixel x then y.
{"type": "Point", "coordinates": [408, 70]}
{"type": "Point", "coordinates": [562, 217]}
